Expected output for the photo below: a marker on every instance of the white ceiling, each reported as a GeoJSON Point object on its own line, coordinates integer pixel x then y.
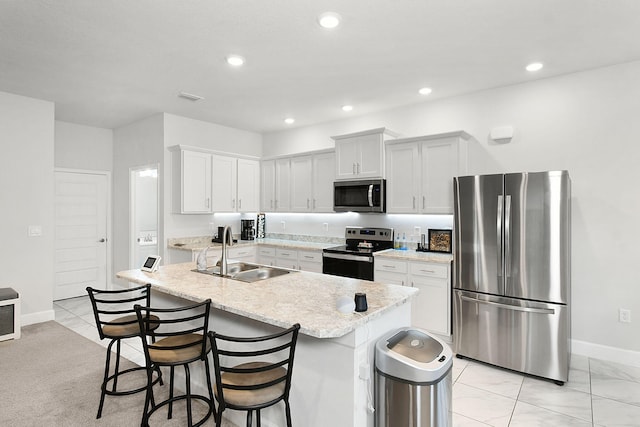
{"type": "Point", "coordinates": [108, 63]}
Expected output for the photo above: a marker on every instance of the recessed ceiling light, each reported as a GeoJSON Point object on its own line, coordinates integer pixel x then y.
{"type": "Point", "coordinates": [347, 107]}
{"type": "Point", "coordinates": [190, 96]}
{"type": "Point", "coordinates": [289, 120]}
{"type": "Point", "coordinates": [235, 60]}
{"type": "Point", "coordinates": [534, 66]}
{"type": "Point", "coordinates": [425, 91]}
{"type": "Point", "coordinates": [329, 20]}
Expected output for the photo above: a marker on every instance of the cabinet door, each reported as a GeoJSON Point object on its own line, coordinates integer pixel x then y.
{"type": "Point", "coordinates": [323, 175]}
{"type": "Point", "coordinates": [403, 163]}
{"type": "Point", "coordinates": [282, 201]}
{"type": "Point", "coordinates": [390, 278]}
{"type": "Point", "coordinates": [287, 258]}
{"type": "Point", "coordinates": [431, 308]}
{"type": "Point", "coordinates": [301, 173]}
{"type": "Point", "coordinates": [196, 182]}
{"type": "Point", "coordinates": [248, 194]}
{"type": "Point", "coordinates": [347, 156]}
{"type": "Point", "coordinates": [439, 166]}
{"type": "Point", "coordinates": [224, 184]}
{"type": "Point", "coordinates": [244, 253]}
{"type": "Point", "coordinates": [370, 163]}
{"type": "Point", "coordinates": [310, 261]}
{"type": "Point", "coordinates": [268, 185]}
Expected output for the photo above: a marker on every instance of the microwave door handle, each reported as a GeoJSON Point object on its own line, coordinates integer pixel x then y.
{"type": "Point", "coordinates": [371, 195]}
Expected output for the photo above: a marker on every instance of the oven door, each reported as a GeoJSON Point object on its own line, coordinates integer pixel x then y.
{"type": "Point", "coordinates": [347, 265]}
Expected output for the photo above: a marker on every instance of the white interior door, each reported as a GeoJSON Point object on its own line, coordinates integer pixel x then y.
{"type": "Point", "coordinates": [80, 233]}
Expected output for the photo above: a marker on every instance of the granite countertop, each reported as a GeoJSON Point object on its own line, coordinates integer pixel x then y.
{"type": "Point", "coordinates": [198, 243]}
{"type": "Point", "coordinates": [413, 255]}
{"type": "Point", "coordinates": [298, 297]}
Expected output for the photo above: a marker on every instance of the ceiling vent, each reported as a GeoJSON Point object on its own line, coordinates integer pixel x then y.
{"type": "Point", "coordinates": [190, 96]}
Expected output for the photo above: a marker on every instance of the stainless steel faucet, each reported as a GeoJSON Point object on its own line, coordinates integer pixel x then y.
{"type": "Point", "coordinates": [227, 239]}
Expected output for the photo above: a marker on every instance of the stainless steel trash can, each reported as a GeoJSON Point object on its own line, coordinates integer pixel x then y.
{"type": "Point", "coordinates": [412, 380]}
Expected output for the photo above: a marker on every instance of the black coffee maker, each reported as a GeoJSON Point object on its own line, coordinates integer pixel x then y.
{"type": "Point", "coordinates": [247, 229]}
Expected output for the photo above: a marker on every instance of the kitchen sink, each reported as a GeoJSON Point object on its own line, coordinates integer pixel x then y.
{"type": "Point", "coordinates": [246, 272]}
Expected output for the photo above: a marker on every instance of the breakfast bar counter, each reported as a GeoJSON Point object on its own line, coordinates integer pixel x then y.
{"type": "Point", "coordinates": [333, 372]}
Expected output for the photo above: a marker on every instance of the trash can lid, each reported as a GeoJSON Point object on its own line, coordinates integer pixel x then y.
{"type": "Point", "coordinates": [412, 355]}
{"type": "Point", "coordinates": [7, 293]}
{"type": "Point", "coordinates": [415, 345]}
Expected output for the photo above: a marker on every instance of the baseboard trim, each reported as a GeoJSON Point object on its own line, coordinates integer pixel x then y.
{"type": "Point", "coordinates": [39, 317]}
{"type": "Point", "coordinates": [603, 352]}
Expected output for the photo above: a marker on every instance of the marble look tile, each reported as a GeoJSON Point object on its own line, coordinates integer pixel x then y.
{"type": "Point", "coordinates": [498, 381]}
{"type": "Point", "coordinates": [579, 362]}
{"type": "Point", "coordinates": [610, 413]}
{"type": "Point", "coordinates": [605, 368]}
{"type": "Point", "coordinates": [579, 380]}
{"type": "Point", "coordinates": [458, 367]}
{"type": "Point", "coordinates": [560, 399]}
{"type": "Point", "coordinates": [462, 421]}
{"type": "Point", "coordinates": [483, 406]}
{"type": "Point", "coordinates": [526, 415]}
{"type": "Point", "coordinates": [624, 391]}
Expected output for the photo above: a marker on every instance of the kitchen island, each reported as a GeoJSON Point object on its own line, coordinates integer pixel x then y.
{"type": "Point", "coordinates": [333, 371]}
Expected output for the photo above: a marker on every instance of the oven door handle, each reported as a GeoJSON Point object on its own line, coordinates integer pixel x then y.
{"type": "Point", "coordinates": [348, 257]}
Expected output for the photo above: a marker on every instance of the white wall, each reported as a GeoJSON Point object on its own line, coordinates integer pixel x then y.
{"type": "Point", "coordinates": [26, 197]}
{"type": "Point", "coordinates": [135, 145]}
{"type": "Point", "coordinates": [586, 123]}
{"type": "Point", "coordinates": [83, 147]}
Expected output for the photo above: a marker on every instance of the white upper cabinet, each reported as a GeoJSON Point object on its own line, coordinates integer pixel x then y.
{"type": "Point", "coordinates": [236, 184]}
{"type": "Point", "coordinates": [224, 183]}
{"type": "Point", "coordinates": [298, 183]}
{"type": "Point", "coordinates": [361, 155]}
{"type": "Point", "coordinates": [191, 181]}
{"type": "Point", "coordinates": [205, 182]}
{"type": "Point", "coordinates": [312, 182]}
{"type": "Point", "coordinates": [420, 172]}
{"type": "Point", "coordinates": [248, 185]}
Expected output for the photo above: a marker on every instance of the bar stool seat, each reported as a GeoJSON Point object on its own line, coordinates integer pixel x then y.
{"type": "Point", "coordinates": [108, 304]}
{"type": "Point", "coordinates": [253, 397]}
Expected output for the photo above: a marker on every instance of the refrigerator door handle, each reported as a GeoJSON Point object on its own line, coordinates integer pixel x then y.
{"type": "Point", "coordinates": [507, 236]}
{"type": "Point", "coordinates": [499, 235]}
{"type": "Point", "coordinates": [510, 307]}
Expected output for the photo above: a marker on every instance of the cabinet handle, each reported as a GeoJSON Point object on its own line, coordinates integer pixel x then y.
{"type": "Point", "coordinates": [239, 203]}
{"type": "Point", "coordinates": [389, 266]}
{"type": "Point", "coordinates": [308, 256]}
{"type": "Point", "coordinates": [314, 204]}
{"type": "Point", "coordinates": [275, 205]}
{"type": "Point", "coordinates": [414, 202]}
{"type": "Point", "coordinates": [428, 271]}
{"type": "Point", "coordinates": [353, 167]}
{"type": "Point", "coordinates": [271, 203]}
{"type": "Point", "coordinates": [308, 205]}
{"type": "Point", "coordinates": [208, 201]}
{"type": "Point", "coordinates": [423, 202]}
{"type": "Point", "coordinates": [233, 203]}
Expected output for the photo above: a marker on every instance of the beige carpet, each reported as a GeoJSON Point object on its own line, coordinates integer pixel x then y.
{"type": "Point", "coordinates": [51, 377]}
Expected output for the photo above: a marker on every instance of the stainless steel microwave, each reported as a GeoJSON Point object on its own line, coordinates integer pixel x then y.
{"type": "Point", "coordinates": [360, 196]}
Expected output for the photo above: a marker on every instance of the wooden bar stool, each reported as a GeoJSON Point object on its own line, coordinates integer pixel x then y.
{"type": "Point", "coordinates": [116, 320]}
{"type": "Point", "coordinates": [181, 339]}
{"type": "Point", "coordinates": [261, 380]}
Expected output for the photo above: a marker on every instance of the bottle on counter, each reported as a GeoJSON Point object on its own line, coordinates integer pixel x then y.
{"type": "Point", "coordinates": [396, 244]}
{"type": "Point", "coordinates": [403, 243]}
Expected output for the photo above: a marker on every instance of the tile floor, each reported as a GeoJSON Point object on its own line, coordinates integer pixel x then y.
{"type": "Point", "coordinates": [598, 393]}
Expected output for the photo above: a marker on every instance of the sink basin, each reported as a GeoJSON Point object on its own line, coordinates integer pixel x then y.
{"type": "Point", "coordinates": [260, 273]}
{"type": "Point", "coordinates": [246, 272]}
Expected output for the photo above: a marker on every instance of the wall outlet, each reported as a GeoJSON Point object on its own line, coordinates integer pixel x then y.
{"type": "Point", "coordinates": [283, 224]}
{"type": "Point", "coordinates": [624, 315]}
{"type": "Point", "coordinates": [325, 226]}
{"type": "Point", "coordinates": [417, 230]}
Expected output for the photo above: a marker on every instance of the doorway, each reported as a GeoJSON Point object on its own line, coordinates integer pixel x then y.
{"type": "Point", "coordinates": [81, 230]}
{"type": "Point", "coordinates": [143, 215]}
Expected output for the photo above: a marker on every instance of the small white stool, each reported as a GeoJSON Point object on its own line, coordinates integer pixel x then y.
{"type": "Point", "coordinates": [9, 314]}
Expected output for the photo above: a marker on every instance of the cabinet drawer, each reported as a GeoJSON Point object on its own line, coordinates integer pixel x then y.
{"type": "Point", "coordinates": [391, 265]}
{"type": "Point", "coordinates": [286, 254]}
{"type": "Point", "coordinates": [266, 251]}
{"type": "Point", "coordinates": [430, 269]}
{"type": "Point", "coordinates": [310, 256]}
{"type": "Point", "coordinates": [242, 252]}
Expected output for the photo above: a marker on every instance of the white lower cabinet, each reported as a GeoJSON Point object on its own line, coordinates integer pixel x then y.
{"type": "Point", "coordinates": [431, 308]}
{"type": "Point", "coordinates": [242, 253]}
{"type": "Point", "coordinates": [305, 260]}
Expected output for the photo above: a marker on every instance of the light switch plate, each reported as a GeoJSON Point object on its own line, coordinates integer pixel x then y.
{"type": "Point", "coordinates": [34, 231]}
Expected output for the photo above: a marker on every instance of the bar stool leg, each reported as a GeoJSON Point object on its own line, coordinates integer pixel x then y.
{"type": "Point", "coordinates": [170, 395]}
{"type": "Point", "coordinates": [104, 380]}
{"type": "Point", "coordinates": [188, 388]}
{"type": "Point", "coordinates": [115, 374]}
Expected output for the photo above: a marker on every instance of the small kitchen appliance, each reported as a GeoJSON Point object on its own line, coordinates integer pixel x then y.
{"type": "Point", "coordinates": [355, 259]}
{"type": "Point", "coordinates": [360, 196]}
{"type": "Point", "coordinates": [247, 229]}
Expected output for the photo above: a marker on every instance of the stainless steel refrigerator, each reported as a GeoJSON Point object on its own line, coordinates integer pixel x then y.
{"type": "Point", "coordinates": [512, 271]}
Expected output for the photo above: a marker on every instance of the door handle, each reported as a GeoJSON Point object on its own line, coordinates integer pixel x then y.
{"type": "Point", "coordinates": [510, 307]}
{"type": "Point", "coordinates": [104, 240]}
{"type": "Point", "coordinates": [499, 235]}
{"type": "Point", "coordinates": [507, 236]}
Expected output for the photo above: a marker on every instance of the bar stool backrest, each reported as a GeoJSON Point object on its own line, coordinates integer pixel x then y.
{"type": "Point", "coordinates": [109, 305]}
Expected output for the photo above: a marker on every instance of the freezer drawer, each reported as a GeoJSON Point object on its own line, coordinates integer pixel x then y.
{"type": "Point", "coordinates": [526, 336]}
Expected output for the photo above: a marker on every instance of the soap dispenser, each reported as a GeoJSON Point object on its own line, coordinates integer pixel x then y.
{"type": "Point", "coordinates": [201, 261]}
